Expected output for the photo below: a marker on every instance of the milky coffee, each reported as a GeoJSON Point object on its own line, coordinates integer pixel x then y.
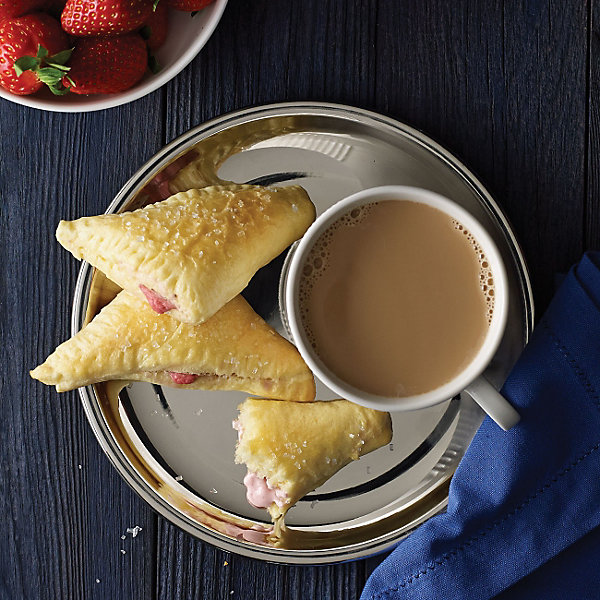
{"type": "Point", "coordinates": [396, 298]}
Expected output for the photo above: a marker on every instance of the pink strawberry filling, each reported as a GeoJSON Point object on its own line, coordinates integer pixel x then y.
{"type": "Point", "coordinates": [182, 378]}
{"type": "Point", "coordinates": [260, 494]}
{"type": "Point", "coordinates": [258, 491]}
{"type": "Point", "coordinates": [156, 301]}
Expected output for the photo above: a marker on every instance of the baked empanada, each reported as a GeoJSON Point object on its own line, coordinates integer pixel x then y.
{"type": "Point", "coordinates": [190, 254]}
{"type": "Point", "coordinates": [234, 350]}
{"type": "Point", "coordinates": [291, 449]}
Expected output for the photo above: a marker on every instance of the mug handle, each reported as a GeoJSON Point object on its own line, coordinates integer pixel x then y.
{"type": "Point", "coordinates": [493, 403]}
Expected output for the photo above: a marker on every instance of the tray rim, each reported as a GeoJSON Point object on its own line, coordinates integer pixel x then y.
{"type": "Point", "coordinates": [94, 414]}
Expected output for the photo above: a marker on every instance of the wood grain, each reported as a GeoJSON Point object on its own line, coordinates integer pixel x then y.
{"type": "Point", "coordinates": [511, 87]}
{"type": "Point", "coordinates": [591, 231]}
{"type": "Point", "coordinates": [61, 523]}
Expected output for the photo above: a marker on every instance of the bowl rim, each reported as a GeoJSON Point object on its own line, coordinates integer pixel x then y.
{"type": "Point", "coordinates": [105, 101]}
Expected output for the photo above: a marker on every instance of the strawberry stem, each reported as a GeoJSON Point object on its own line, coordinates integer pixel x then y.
{"type": "Point", "coordinates": [50, 71]}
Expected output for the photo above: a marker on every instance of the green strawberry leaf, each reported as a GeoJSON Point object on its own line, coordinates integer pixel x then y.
{"type": "Point", "coordinates": [50, 76]}
{"type": "Point", "coordinates": [155, 5]}
{"type": "Point", "coordinates": [60, 58]}
{"type": "Point", "coordinates": [25, 63]}
{"type": "Point", "coordinates": [58, 66]}
{"type": "Point", "coordinates": [53, 77]}
{"type": "Point", "coordinates": [59, 89]}
{"type": "Point", "coordinates": [42, 52]}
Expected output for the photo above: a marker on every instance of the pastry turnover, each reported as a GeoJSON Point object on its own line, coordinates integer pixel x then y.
{"type": "Point", "coordinates": [234, 350]}
{"type": "Point", "coordinates": [291, 449]}
{"type": "Point", "coordinates": [190, 254]}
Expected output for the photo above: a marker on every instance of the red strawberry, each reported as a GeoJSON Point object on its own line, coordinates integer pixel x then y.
{"type": "Point", "coordinates": [107, 65]}
{"type": "Point", "coordinates": [17, 8]}
{"type": "Point", "coordinates": [29, 41]}
{"type": "Point", "coordinates": [188, 5]}
{"type": "Point", "coordinates": [155, 28]}
{"type": "Point", "coordinates": [104, 17]}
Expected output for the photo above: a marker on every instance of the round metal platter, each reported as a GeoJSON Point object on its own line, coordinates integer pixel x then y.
{"type": "Point", "coordinates": [175, 447]}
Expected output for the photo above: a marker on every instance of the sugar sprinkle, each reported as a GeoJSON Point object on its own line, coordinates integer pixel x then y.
{"type": "Point", "coordinates": [134, 530]}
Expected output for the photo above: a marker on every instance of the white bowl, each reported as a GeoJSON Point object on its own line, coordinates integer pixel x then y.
{"type": "Point", "coordinates": [187, 35]}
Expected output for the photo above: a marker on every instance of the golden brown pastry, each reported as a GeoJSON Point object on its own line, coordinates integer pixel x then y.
{"type": "Point", "coordinates": [190, 254]}
{"type": "Point", "coordinates": [291, 449]}
{"type": "Point", "coordinates": [234, 350]}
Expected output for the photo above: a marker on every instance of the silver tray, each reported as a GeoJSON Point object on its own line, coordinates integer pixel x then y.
{"type": "Point", "coordinates": [175, 447]}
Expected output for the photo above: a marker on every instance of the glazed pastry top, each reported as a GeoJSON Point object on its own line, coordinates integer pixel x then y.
{"type": "Point", "coordinates": [234, 349]}
{"type": "Point", "coordinates": [297, 447]}
{"type": "Point", "coordinates": [197, 249]}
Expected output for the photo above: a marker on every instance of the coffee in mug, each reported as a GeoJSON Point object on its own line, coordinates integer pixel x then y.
{"type": "Point", "coordinates": [396, 297]}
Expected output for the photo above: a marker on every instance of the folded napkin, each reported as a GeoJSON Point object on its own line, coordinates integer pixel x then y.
{"type": "Point", "coordinates": [524, 505]}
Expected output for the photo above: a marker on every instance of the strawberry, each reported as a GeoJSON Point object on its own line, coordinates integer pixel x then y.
{"type": "Point", "coordinates": [17, 8]}
{"type": "Point", "coordinates": [155, 28]}
{"type": "Point", "coordinates": [104, 17]}
{"type": "Point", "coordinates": [188, 5]}
{"type": "Point", "coordinates": [106, 65]}
{"type": "Point", "coordinates": [33, 49]}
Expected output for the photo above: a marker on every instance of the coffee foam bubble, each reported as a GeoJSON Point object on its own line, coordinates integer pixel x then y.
{"type": "Point", "coordinates": [486, 281]}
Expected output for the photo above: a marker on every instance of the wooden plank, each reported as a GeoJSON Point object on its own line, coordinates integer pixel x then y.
{"type": "Point", "coordinates": [62, 505]}
{"type": "Point", "coordinates": [263, 53]}
{"type": "Point", "coordinates": [592, 222]}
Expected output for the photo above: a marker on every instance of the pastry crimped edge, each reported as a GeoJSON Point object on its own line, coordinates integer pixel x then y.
{"type": "Point", "coordinates": [297, 447]}
{"type": "Point", "coordinates": [197, 249]}
{"type": "Point", "coordinates": [234, 350]}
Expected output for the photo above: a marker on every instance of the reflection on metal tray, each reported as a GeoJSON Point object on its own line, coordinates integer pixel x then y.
{"type": "Point", "coordinates": [175, 447]}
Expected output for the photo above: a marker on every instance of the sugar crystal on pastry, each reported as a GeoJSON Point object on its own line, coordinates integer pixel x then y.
{"type": "Point", "coordinates": [233, 350]}
{"type": "Point", "coordinates": [290, 448]}
{"type": "Point", "coordinates": [190, 254]}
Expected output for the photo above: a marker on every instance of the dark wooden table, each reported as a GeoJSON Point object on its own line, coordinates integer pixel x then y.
{"type": "Point", "coordinates": [511, 87]}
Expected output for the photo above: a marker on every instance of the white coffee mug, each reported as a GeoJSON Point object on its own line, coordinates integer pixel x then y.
{"type": "Point", "coordinates": [470, 378]}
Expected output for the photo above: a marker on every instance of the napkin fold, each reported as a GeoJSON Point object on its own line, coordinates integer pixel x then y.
{"type": "Point", "coordinates": [527, 501]}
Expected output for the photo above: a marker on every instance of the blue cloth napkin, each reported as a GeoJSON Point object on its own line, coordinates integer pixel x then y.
{"type": "Point", "coordinates": [524, 506]}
